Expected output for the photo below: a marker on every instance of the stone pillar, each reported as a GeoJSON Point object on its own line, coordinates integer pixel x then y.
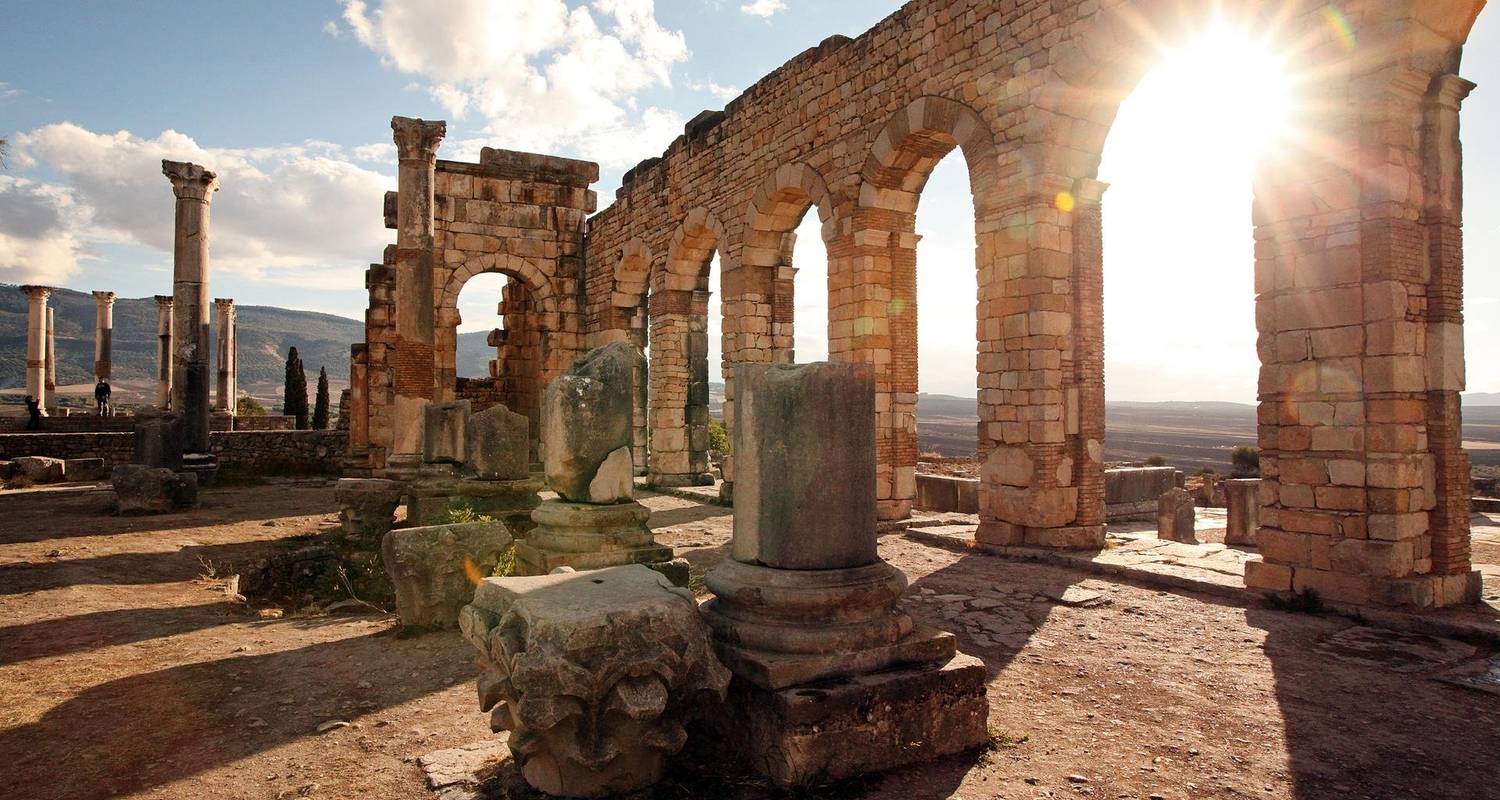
{"type": "Point", "coordinates": [163, 351]}
{"type": "Point", "coordinates": [415, 372]}
{"type": "Point", "coordinates": [228, 360]}
{"type": "Point", "coordinates": [805, 598]}
{"type": "Point", "coordinates": [51, 381]}
{"type": "Point", "coordinates": [679, 392]}
{"type": "Point", "coordinates": [359, 400]}
{"type": "Point", "coordinates": [36, 342]}
{"type": "Point", "coordinates": [1243, 500]}
{"type": "Point", "coordinates": [194, 187]}
{"type": "Point", "coordinates": [1085, 420]}
{"type": "Point", "coordinates": [104, 332]}
{"type": "Point", "coordinates": [1176, 517]}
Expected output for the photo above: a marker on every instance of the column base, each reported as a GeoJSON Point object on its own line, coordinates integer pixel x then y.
{"type": "Point", "coordinates": [588, 537]}
{"type": "Point", "coordinates": [1075, 537]}
{"type": "Point", "coordinates": [1415, 592]}
{"type": "Point", "coordinates": [204, 465]}
{"type": "Point", "coordinates": [402, 466]}
{"type": "Point", "coordinates": [829, 731]}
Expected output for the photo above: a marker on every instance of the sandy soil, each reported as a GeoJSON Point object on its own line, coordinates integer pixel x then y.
{"type": "Point", "coordinates": [127, 671]}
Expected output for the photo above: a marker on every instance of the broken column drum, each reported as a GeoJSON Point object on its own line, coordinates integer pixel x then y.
{"type": "Point", "coordinates": [805, 597]}
{"type": "Point", "coordinates": [587, 423]}
{"type": "Point", "coordinates": [194, 188]}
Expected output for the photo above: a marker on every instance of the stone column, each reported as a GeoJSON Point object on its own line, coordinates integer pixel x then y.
{"type": "Point", "coordinates": [228, 360]}
{"type": "Point", "coordinates": [36, 342]}
{"type": "Point", "coordinates": [51, 382]}
{"type": "Point", "coordinates": [163, 351]}
{"type": "Point", "coordinates": [194, 187]}
{"type": "Point", "coordinates": [416, 145]}
{"type": "Point", "coordinates": [104, 332]}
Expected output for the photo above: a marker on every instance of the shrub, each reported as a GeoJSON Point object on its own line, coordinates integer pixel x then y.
{"type": "Point", "coordinates": [249, 407]}
{"type": "Point", "coordinates": [1156, 461]}
{"type": "Point", "coordinates": [718, 438]}
{"type": "Point", "coordinates": [1246, 462]}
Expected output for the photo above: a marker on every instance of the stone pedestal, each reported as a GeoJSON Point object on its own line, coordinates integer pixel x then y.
{"type": "Point", "coordinates": [435, 568]}
{"type": "Point", "coordinates": [1176, 517]}
{"type": "Point", "coordinates": [805, 608]}
{"type": "Point", "coordinates": [1243, 496]}
{"type": "Point", "coordinates": [158, 439]}
{"type": "Point", "coordinates": [585, 536]}
{"type": "Point", "coordinates": [595, 675]}
{"type": "Point", "coordinates": [367, 507]}
{"type": "Point", "coordinates": [435, 494]}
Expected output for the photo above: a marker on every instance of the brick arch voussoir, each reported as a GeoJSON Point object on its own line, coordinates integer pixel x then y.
{"type": "Point", "coordinates": [904, 152]}
{"type": "Point", "coordinates": [633, 272]}
{"type": "Point", "coordinates": [532, 277]}
{"type": "Point", "coordinates": [810, 189]}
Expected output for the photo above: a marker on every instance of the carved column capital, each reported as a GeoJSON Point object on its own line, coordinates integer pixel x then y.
{"type": "Point", "coordinates": [416, 139]}
{"type": "Point", "coordinates": [225, 304]}
{"type": "Point", "coordinates": [190, 181]}
{"type": "Point", "coordinates": [163, 301]}
{"type": "Point", "coordinates": [104, 298]}
{"type": "Point", "coordinates": [37, 294]}
{"type": "Point", "coordinates": [1449, 91]}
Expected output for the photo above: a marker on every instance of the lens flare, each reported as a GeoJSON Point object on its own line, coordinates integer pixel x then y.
{"type": "Point", "coordinates": [1064, 201]}
{"type": "Point", "coordinates": [1341, 27]}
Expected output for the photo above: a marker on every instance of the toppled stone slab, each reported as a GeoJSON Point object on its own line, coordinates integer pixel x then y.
{"type": "Point", "coordinates": [39, 469]}
{"type": "Point", "coordinates": [85, 469]}
{"type": "Point", "coordinates": [594, 674]}
{"type": "Point", "coordinates": [153, 490]}
{"type": "Point", "coordinates": [435, 568]}
{"type": "Point", "coordinates": [460, 773]}
{"type": "Point", "coordinates": [834, 730]}
{"type": "Point", "coordinates": [498, 444]}
{"type": "Point", "coordinates": [587, 415]}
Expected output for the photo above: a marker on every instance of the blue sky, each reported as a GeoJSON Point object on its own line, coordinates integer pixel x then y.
{"type": "Point", "coordinates": [291, 102]}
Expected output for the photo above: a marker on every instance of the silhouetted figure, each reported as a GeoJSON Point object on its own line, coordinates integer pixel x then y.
{"type": "Point", "coordinates": [102, 392]}
{"type": "Point", "coordinates": [33, 413]}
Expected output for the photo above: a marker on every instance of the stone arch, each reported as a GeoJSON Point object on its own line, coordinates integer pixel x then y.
{"type": "Point", "coordinates": [872, 273]}
{"type": "Point", "coordinates": [529, 274]}
{"type": "Point", "coordinates": [632, 274]}
{"type": "Point", "coordinates": [679, 369]}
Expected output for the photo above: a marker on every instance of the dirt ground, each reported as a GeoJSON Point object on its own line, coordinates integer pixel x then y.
{"type": "Point", "coordinates": [126, 670]}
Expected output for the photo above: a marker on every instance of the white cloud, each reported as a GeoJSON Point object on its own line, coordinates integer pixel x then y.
{"type": "Point", "coordinates": [725, 93]}
{"type": "Point", "coordinates": [332, 29]}
{"type": "Point", "coordinates": [538, 74]}
{"type": "Point", "coordinates": [303, 215]}
{"type": "Point", "coordinates": [40, 228]}
{"type": "Point", "coordinates": [763, 8]}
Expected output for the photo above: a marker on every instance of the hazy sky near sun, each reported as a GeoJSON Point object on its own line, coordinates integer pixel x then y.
{"type": "Point", "coordinates": [290, 100]}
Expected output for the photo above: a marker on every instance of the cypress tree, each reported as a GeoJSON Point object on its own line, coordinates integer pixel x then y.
{"type": "Point", "coordinates": [294, 395]}
{"type": "Point", "coordinates": [320, 406]}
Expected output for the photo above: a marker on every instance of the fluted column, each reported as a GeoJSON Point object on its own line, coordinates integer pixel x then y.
{"type": "Point", "coordinates": [163, 351]}
{"type": "Point", "coordinates": [228, 360]}
{"type": "Point", "coordinates": [51, 356]}
{"type": "Point", "coordinates": [36, 342]}
{"type": "Point", "coordinates": [104, 332]}
{"type": "Point", "coordinates": [416, 144]}
{"type": "Point", "coordinates": [194, 187]}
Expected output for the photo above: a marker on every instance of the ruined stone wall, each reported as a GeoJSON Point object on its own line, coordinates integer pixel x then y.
{"type": "Point", "coordinates": [251, 451]}
{"type": "Point", "coordinates": [1358, 263]}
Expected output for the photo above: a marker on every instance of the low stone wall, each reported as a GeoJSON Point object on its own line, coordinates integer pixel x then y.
{"type": "Point", "coordinates": [250, 451]}
{"type": "Point", "coordinates": [268, 423]}
{"type": "Point", "coordinates": [125, 423]}
{"type": "Point", "coordinates": [944, 493]}
{"type": "Point", "coordinates": [1133, 491]}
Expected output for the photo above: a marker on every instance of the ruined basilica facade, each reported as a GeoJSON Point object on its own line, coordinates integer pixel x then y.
{"type": "Point", "coordinates": [1358, 270]}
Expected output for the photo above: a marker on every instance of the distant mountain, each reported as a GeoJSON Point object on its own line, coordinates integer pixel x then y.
{"type": "Point", "coordinates": [264, 333]}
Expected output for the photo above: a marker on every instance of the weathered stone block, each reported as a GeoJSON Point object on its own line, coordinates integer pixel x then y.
{"type": "Point", "coordinates": [1175, 517]}
{"type": "Point", "coordinates": [85, 469]}
{"type": "Point", "coordinates": [587, 415]}
{"type": "Point", "coordinates": [153, 490]}
{"type": "Point", "coordinates": [39, 469]}
{"type": "Point", "coordinates": [1243, 511]}
{"type": "Point", "coordinates": [367, 506]}
{"type": "Point", "coordinates": [435, 568]}
{"type": "Point", "coordinates": [498, 444]}
{"type": "Point", "coordinates": [432, 501]}
{"type": "Point", "coordinates": [158, 439]}
{"type": "Point", "coordinates": [805, 488]}
{"type": "Point", "coordinates": [594, 674]}
{"type": "Point", "coordinates": [445, 432]}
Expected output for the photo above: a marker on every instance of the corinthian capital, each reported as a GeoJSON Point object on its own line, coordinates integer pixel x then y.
{"type": "Point", "coordinates": [190, 181]}
{"type": "Point", "coordinates": [417, 139]}
{"type": "Point", "coordinates": [37, 293]}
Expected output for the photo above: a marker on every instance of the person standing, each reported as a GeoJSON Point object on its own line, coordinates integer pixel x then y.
{"type": "Point", "coordinates": [102, 392]}
{"type": "Point", "coordinates": [33, 413]}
